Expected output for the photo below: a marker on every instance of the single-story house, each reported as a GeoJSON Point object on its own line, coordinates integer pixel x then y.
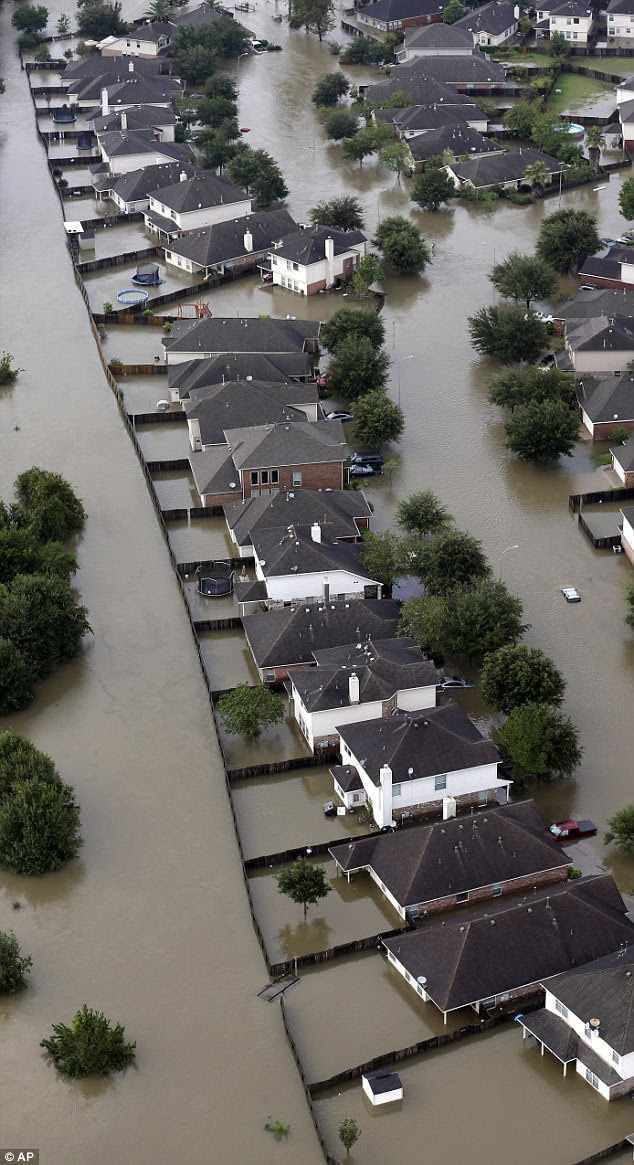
{"type": "Point", "coordinates": [623, 461]}
{"type": "Point", "coordinates": [606, 404]}
{"type": "Point", "coordinates": [236, 245]}
{"type": "Point", "coordinates": [430, 40]}
{"type": "Point", "coordinates": [409, 763]}
{"type": "Point", "coordinates": [418, 89]}
{"type": "Point", "coordinates": [345, 513]}
{"type": "Point", "coordinates": [360, 682]}
{"type": "Point", "coordinates": [155, 118]}
{"type": "Point", "coordinates": [274, 368]}
{"type": "Point", "coordinates": [506, 170]}
{"type": "Point", "coordinates": [459, 139]}
{"type": "Point", "coordinates": [620, 20]}
{"type": "Point", "coordinates": [131, 191]}
{"type": "Point", "coordinates": [571, 18]}
{"type": "Point", "coordinates": [588, 1020]}
{"type": "Point", "coordinates": [445, 864]}
{"type": "Point", "coordinates": [266, 459]}
{"type": "Point", "coordinates": [491, 24]}
{"type": "Point", "coordinates": [123, 150]}
{"type": "Point", "coordinates": [192, 339]}
{"type": "Point", "coordinates": [605, 344]}
{"type": "Point", "coordinates": [316, 259]}
{"type": "Point", "coordinates": [237, 404]}
{"type": "Point", "coordinates": [627, 532]}
{"type": "Point", "coordinates": [108, 70]}
{"type": "Point", "coordinates": [148, 40]}
{"type": "Point", "coordinates": [591, 302]}
{"type": "Point", "coordinates": [283, 640]}
{"type": "Point", "coordinates": [614, 270]}
{"type": "Point", "coordinates": [303, 564]}
{"type": "Point", "coordinates": [418, 119]}
{"type": "Point", "coordinates": [468, 74]}
{"type": "Point", "coordinates": [504, 956]}
{"type": "Point", "coordinates": [391, 15]}
{"type": "Point", "coordinates": [192, 203]}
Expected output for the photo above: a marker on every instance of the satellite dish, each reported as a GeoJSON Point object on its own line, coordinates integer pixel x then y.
{"type": "Point", "coordinates": [422, 979]}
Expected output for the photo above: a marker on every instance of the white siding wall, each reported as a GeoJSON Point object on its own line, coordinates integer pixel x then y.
{"type": "Point", "coordinates": [628, 534]}
{"type": "Point", "coordinates": [625, 1064]}
{"type": "Point", "coordinates": [602, 361]}
{"type": "Point", "coordinates": [284, 587]}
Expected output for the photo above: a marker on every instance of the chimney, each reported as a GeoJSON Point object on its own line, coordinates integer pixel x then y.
{"type": "Point", "coordinates": [384, 817]}
{"type": "Point", "coordinates": [326, 588]}
{"type": "Point", "coordinates": [248, 240]}
{"type": "Point", "coordinates": [353, 688]}
{"type": "Point", "coordinates": [130, 66]}
{"type": "Point", "coordinates": [329, 251]}
{"type": "Point", "coordinates": [105, 108]}
{"type": "Point", "coordinates": [182, 177]}
{"type": "Point", "coordinates": [315, 532]}
{"type": "Point", "coordinates": [123, 119]}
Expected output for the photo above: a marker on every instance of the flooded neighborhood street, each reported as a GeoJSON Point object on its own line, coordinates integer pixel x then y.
{"type": "Point", "coordinates": [152, 923]}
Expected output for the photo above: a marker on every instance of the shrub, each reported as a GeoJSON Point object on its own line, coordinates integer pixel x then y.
{"type": "Point", "coordinates": [90, 1047]}
{"type": "Point", "coordinates": [13, 965]}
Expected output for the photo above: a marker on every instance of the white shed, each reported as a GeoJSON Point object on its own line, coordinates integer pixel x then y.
{"type": "Point", "coordinates": [382, 1087]}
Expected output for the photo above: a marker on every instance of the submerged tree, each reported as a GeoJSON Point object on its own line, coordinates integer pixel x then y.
{"type": "Point", "coordinates": [91, 1046]}
{"type": "Point", "coordinates": [621, 829]}
{"type": "Point", "coordinates": [423, 513]}
{"type": "Point", "coordinates": [303, 883]}
{"type": "Point", "coordinates": [516, 674]}
{"type": "Point", "coordinates": [566, 239]}
{"type": "Point", "coordinates": [538, 741]}
{"type": "Point", "coordinates": [502, 331]}
{"type": "Point", "coordinates": [14, 966]}
{"type": "Point", "coordinates": [245, 711]}
{"type": "Point", "coordinates": [523, 278]}
{"type": "Point", "coordinates": [349, 1133]}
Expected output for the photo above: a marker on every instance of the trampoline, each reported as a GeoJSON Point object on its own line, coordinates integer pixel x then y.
{"type": "Point", "coordinates": [64, 116]}
{"type": "Point", "coordinates": [132, 295]}
{"type": "Point", "coordinates": [147, 275]}
{"type": "Point", "coordinates": [214, 580]}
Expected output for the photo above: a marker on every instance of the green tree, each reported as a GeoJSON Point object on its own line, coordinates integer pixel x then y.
{"type": "Point", "coordinates": [364, 275]}
{"type": "Point", "coordinates": [403, 247]}
{"type": "Point", "coordinates": [516, 674]}
{"type": "Point", "coordinates": [566, 239]}
{"type": "Point", "coordinates": [502, 331]}
{"type": "Point", "coordinates": [8, 374]}
{"type": "Point", "coordinates": [18, 678]}
{"type": "Point", "coordinates": [245, 711]}
{"type": "Point", "coordinates": [537, 175]}
{"type": "Point", "coordinates": [382, 556]}
{"type": "Point", "coordinates": [517, 385]}
{"type": "Point", "coordinates": [91, 1046]}
{"type": "Point", "coordinates": [543, 430]}
{"type": "Point", "coordinates": [22, 553]}
{"type": "Point", "coordinates": [303, 883]}
{"type": "Point", "coordinates": [159, 10]}
{"type": "Point", "coordinates": [449, 558]}
{"type": "Point", "coordinates": [340, 123]}
{"type": "Point", "coordinates": [520, 118]}
{"type": "Point", "coordinates": [368, 140]}
{"type": "Point", "coordinates": [42, 617]}
{"type": "Point", "coordinates": [423, 513]}
{"type": "Point", "coordinates": [595, 141]}
{"type": "Point", "coordinates": [471, 620]}
{"type": "Point", "coordinates": [259, 174]}
{"type": "Point", "coordinates": [395, 156]}
{"type": "Point", "coordinates": [214, 111]}
{"type": "Point", "coordinates": [629, 596]}
{"type": "Point", "coordinates": [14, 966]}
{"type": "Point", "coordinates": [221, 86]}
{"type": "Point", "coordinates": [352, 321]}
{"type": "Point", "coordinates": [431, 188]}
{"type": "Point", "coordinates": [218, 146]}
{"type": "Point", "coordinates": [539, 741]}
{"type": "Point", "coordinates": [344, 212]}
{"type": "Point", "coordinates": [21, 761]}
{"type": "Point", "coordinates": [356, 367]}
{"type": "Point", "coordinates": [349, 1131]}
{"type": "Point", "coordinates": [314, 15]}
{"type": "Point", "coordinates": [39, 827]}
{"type": "Point", "coordinates": [31, 18]}
{"type": "Point", "coordinates": [452, 12]}
{"type": "Point", "coordinates": [626, 200]}
{"type": "Point", "coordinates": [377, 419]}
{"type": "Point", "coordinates": [621, 829]}
{"type": "Point", "coordinates": [49, 505]}
{"type": "Point", "coordinates": [362, 50]}
{"type": "Point", "coordinates": [523, 278]}
{"type": "Point", "coordinates": [559, 46]}
{"type": "Point", "coordinates": [100, 18]}
{"type": "Point", "coordinates": [63, 25]}
{"type": "Point", "coordinates": [330, 88]}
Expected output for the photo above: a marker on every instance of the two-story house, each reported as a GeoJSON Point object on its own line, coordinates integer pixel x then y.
{"type": "Point", "coordinates": [316, 259]}
{"type": "Point", "coordinates": [230, 335]}
{"type": "Point", "coordinates": [234, 246]}
{"type": "Point", "coordinates": [571, 19]}
{"type": "Point", "coordinates": [236, 404]}
{"type": "Point", "coordinates": [196, 202]}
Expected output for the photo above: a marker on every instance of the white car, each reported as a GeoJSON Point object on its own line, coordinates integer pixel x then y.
{"type": "Point", "coordinates": [571, 594]}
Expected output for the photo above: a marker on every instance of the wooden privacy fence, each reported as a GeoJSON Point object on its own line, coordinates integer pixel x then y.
{"type": "Point", "coordinates": [604, 1154]}
{"type": "Point", "coordinates": [116, 260]}
{"type": "Point", "coordinates": [291, 1043]}
{"type": "Point", "coordinates": [291, 855]}
{"type": "Point", "coordinates": [311, 761]}
{"type": "Point", "coordinates": [576, 501]}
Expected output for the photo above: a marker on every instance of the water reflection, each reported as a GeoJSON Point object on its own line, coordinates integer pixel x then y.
{"type": "Point", "coordinates": [312, 935]}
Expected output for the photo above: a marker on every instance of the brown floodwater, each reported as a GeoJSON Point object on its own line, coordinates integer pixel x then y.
{"type": "Point", "coordinates": [138, 926]}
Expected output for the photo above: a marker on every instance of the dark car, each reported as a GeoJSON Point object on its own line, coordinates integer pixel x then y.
{"type": "Point", "coordinates": [366, 459]}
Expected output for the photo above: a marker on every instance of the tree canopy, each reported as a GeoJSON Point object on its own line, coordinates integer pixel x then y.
{"type": "Point", "coordinates": [471, 620]}
{"type": "Point", "coordinates": [340, 123]}
{"type": "Point", "coordinates": [621, 829]}
{"type": "Point", "coordinates": [30, 18]}
{"type": "Point", "coordinates": [330, 88]}
{"type": "Point", "coordinates": [91, 1046]}
{"type": "Point", "coordinates": [377, 419]}
{"type": "Point", "coordinates": [349, 1133]}
{"type": "Point", "coordinates": [523, 278]}
{"type": "Point", "coordinates": [517, 385]}
{"type": "Point", "coordinates": [402, 245]}
{"type": "Point", "coordinates": [352, 321]}
{"type": "Point", "coordinates": [245, 711]}
{"type": "Point", "coordinates": [303, 883]}
{"type": "Point", "coordinates": [431, 188]}
{"type": "Point", "coordinates": [516, 674]}
{"type": "Point", "coordinates": [382, 556]}
{"type": "Point", "coordinates": [449, 558]}
{"type": "Point", "coordinates": [42, 617]}
{"type": "Point", "coordinates": [423, 513]}
{"type": "Point", "coordinates": [313, 15]}
{"type": "Point", "coordinates": [99, 18]}
{"type": "Point", "coordinates": [14, 966]}
{"type": "Point", "coordinates": [538, 741]}
{"type": "Point", "coordinates": [629, 596]}
{"type": "Point", "coordinates": [543, 430]}
{"type": "Point", "coordinates": [48, 505]}
{"type": "Point", "coordinates": [259, 174]}
{"type": "Point", "coordinates": [566, 239]}
{"type": "Point", "coordinates": [356, 367]}
{"type": "Point", "coordinates": [626, 198]}
{"type": "Point", "coordinates": [344, 212]}
{"type": "Point", "coordinates": [502, 331]}
{"type": "Point", "coordinates": [39, 819]}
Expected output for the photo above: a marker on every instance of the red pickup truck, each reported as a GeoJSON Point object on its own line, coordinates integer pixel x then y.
{"type": "Point", "coordinates": [571, 830]}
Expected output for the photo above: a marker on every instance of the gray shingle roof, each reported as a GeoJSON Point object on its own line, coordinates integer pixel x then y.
{"type": "Point", "coordinates": [137, 184]}
{"type": "Point", "coordinates": [600, 268]}
{"type": "Point", "coordinates": [419, 744]}
{"type": "Point", "coordinates": [294, 550]}
{"type": "Point", "coordinates": [382, 667]}
{"type": "Point", "coordinates": [428, 862]}
{"type": "Point", "coordinates": [111, 68]}
{"type": "Point", "coordinates": [241, 403]}
{"type": "Point", "coordinates": [292, 635]}
{"type": "Point", "coordinates": [337, 509]}
{"type": "Point", "coordinates": [203, 190]}
{"type": "Point", "coordinates": [606, 399]}
{"type": "Point", "coordinates": [119, 143]}
{"type": "Point", "coordinates": [605, 334]}
{"type": "Point", "coordinates": [600, 301]}
{"type": "Point", "coordinates": [494, 19]}
{"type": "Point", "coordinates": [390, 11]}
{"type": "Point", "coordinates": [521, 944]}
{"type": "Point", "coordinates": [279, 368]}
{"type": "Point", "coordinates": [228, 334]}
{"type": "Point", "coordinates": [438, 36]}
{"type": "Point", "coordinates": [569, 8]}
{"type": "Point", "coordinates": [460, 139]}
{"type": "Point", "coordinates": [309, 246]}
{"type": "Point", "coordinates": [461, 69]}
{"type": "Point", "coordinates": [509, 167]}
{"type": "Point", "coordinates": [145, 117]}
{"type": "Point", "coordinates": [420, 90]}
{"type": "Point", "coordinates": [605, 989]}
{"type": "Point", "coordinates": [624, 454]}
{"type": "Point", "coordinates": [225, 240]}
{"type": "Point", "coordinates": [621, 7]}
{"type": "Point", "coordinates": [305, 443]}
{"type": "Point", "coordinates": [418, 118]}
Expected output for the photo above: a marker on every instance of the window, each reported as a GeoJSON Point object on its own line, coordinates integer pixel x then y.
{"type": "Point", "coordinates": [592, 1079]}
{"type": "Point", "coordinates": [269, 674]}
{"type": "Point", "coordinates": [463, 897]}
{"type": "Point", "coordinates": [289, 265]}
{"type": "Point", "coordinates": [396, 790]}
{"type": "Point", "coordinates": [264, 477]}
{"type": "Point", "coordinates": [440, 782]}
{"type": "Point", "coordinates": [561, 1010]}
{"type": "Point", "coordinates": [297, 477]}
{"type": "Point", "coordinates": [254, 477]}
{"type": "Point", "coordinates": [616, 1058]}
{"type": "Point", "coordinates": [408, 976]}
{"type": "Point", "coordinates": [275, 476]}
{"type": "Point", "coordinates": [496, 891]}
{"type": "Point", "coordinates": [487, 1003]}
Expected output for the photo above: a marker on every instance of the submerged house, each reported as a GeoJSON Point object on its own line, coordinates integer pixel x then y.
{"type": "Point", "coordinates": [345, 513]}
{"type": "Point", "coordinates": [316, 259]}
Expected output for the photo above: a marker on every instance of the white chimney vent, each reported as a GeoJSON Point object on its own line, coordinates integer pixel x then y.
{"type": "Point", "coordinates": [353, 688]}
{"type": "Point", "coordinates": [182, 176]}
{"type": "Point", "coordinates": [448, 808]}
{"type": "Point", "coordinates": [248, 240]}
{"type": "Point", "coordinates": [123, 119]}
{"type": "Point", "coordinates": [315, 532]}
{"type": "Point", "coordinates": [105, 108]}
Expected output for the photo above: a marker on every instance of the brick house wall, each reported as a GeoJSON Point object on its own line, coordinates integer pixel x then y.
{"type": "Point", "coordinates": [484, 893]}
{"type": "Point", "coordinates": [603, 430]}
{"type": "Point", "coordinates": [319, 475]}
